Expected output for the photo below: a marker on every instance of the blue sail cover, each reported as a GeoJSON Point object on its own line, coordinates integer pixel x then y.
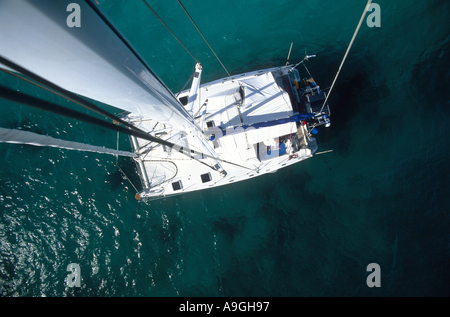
{"type": "Point", "coordinates": [298, 117]}
{"type": "Point", "coordinates": [271, 123]}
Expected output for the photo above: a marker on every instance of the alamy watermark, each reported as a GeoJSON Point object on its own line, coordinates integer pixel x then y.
{"type": "Point", "coordinates": [374, 278]}
{"type": "Point", "coordinates": [374, 18]}
{"type": "Point", "coordinates": [74, 19]}
{"type": "Point", "coordinates": [74, 277]}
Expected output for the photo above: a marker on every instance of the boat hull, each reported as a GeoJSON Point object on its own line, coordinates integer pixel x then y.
{"type": "Point", "coordinates": [247, 100]}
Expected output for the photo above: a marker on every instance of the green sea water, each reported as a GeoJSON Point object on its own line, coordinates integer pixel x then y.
{"type": "Point", "coordinates": [381, 196]}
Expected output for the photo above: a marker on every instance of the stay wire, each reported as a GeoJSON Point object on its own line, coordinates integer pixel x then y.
{"type": "Point", "coordinates": [148, 6]}
{"type": "Point", "coordinates": [59, 91]}
{"type": "Point", "coordinates": [203, 37]}
{"type": "Point", "coordinates": [117, 164]}
{"type": "Point", "coordinates": [185, 85]}
{"type": "Point", "coordinates": [21, 98]}
{"type": "Point", "coordinates": [348, 50]}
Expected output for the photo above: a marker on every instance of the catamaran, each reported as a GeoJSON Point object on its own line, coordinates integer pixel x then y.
{"type": "Point", "coordinates": [254, 123]}
{"type": "Point", "coordinates": [217, 133]}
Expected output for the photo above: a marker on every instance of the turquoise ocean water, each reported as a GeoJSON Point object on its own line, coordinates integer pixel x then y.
{"type": "Point", "coordinates": [381, 196]}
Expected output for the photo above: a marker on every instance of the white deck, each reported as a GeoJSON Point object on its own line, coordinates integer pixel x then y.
{"type": "Point", "coordinates": [264, 100]}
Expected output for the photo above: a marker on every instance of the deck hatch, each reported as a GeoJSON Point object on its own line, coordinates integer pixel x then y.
{"type": "Point", "coordinates": [177, 185]}
{"type": "Point", "coordinates": [206, 177]}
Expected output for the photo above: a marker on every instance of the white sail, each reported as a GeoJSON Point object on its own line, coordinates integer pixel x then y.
{"type": "Point", "coordinates": [90, 60]}
{"type": "Point", "coordinates": [30, 138]}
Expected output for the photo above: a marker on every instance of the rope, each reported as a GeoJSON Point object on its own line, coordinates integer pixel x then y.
{"type": "Point", "coordinates": [307, 71]}
{"type": "Point", "coordinates": [185, 85]}
{"type": "Point", "coordinates": [203, 36]}
{"type": "Point", "coordinates": [348, 49]}
{"type": "Point", "coordinates": [117, 164]}
{"type": "Point", "coordinates": [169, 30]}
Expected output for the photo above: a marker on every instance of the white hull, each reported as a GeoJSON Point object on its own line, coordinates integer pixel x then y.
{"type": "Point", "coordinates": [166, 172]}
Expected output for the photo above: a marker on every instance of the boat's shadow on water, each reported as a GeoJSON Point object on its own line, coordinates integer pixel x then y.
{"type": "Point", "coordinates": [429, 78]}
{"type": "Point", "coordinates": [356, 96]}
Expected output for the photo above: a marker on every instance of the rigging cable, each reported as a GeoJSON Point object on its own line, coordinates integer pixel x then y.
{"type": "Point", "coordinates": [185, 85]}
{"type": "Point", "coordinates": [61, 92]}
{"type": "Point", "coordinates": [117, 164]}
{"type": "Point", "coordinates": [203, 36]}
{"type": "Point", "coordinates": [348, 49]}
{"type": "Point", "coordinates": [12, 95]}
{"type": "Point", "coordinates": [148, 6]}
{"type": "Point", "coordinates": [15, 96]}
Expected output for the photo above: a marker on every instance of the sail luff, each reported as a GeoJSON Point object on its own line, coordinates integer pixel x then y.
{"type": "Point", "coordinates": [31, 138]}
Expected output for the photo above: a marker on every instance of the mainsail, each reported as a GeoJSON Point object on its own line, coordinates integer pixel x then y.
{"type": "Point", "coordinates": [92, 60]}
